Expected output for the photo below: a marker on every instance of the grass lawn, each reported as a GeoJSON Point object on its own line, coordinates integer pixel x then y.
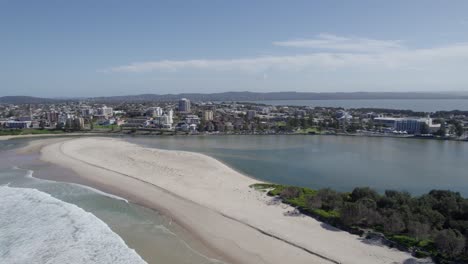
{"type": "Point", "coordinates": [14, 132]}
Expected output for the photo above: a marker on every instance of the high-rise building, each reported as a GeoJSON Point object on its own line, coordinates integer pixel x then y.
{"type": "Point", "coordinates": [208, 115]}
{"type": "Point", "coordinates": [170, 114]}
{"type": "Point", "coordinates": [52, 116]}
{"type": "Point", "coordinates": [184, 105]}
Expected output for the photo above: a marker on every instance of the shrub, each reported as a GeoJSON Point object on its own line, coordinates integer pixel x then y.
{"type": "Point", "coordinates": [364, 192]}
{"type": "Point", "coordinates": [450, 242]}
{"type": "Point", "coordinates": [290, 192]}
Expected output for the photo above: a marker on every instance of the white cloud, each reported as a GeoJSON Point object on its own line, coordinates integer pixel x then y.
{"type": "Point", "coordinates": [333, 42]}
{"type": "Point", "coordinates": [448, 57]}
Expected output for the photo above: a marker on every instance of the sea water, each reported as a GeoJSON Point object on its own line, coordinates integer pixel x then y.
{"type": "Point", "coordinates": [38, 228]}
{"type": "Point", "coordinates": [43, 221]}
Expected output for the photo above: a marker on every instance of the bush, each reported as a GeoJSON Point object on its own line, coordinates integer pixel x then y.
{"type": "Point", "coordinates": [450, 242]}
{"type": "Point", "coordinates": [364, 192]}
{"type": "Point", "coordinates": [290, 192]}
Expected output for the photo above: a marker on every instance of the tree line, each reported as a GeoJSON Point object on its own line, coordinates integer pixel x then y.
{"type": "Point", "coordinates": [434, 224]}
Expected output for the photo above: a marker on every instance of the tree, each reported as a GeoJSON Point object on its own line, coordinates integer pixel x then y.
{"type": "Point", "coordinates": [394, 224]}
{"type": "Point", "coordinates": [326, 199]}
{"type": "Point", "coordinates": [364, 192]}
{"type": "Point", "coordinates": [290, 192]}
{"type": "Point", "coordinates": [352, 213]}
{"type": "Point", "coordinates": [424, 129]}
{"type": "Point", "coordinates": [42, 124]}
{"type": "Point", "coordinates": [202, 125]}
{"type": "Point", "coordinates": [450, 242]}
{"type": "Point", "coordinates": [442, 131]}
{"type": "Point", "coordinates": [419, 230]}
{"type": "Point", "coordinates": [459, 131]}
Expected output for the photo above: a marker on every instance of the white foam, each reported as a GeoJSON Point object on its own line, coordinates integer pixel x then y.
{"type": "Point", "coordinates": [38, 228]}
{"type": "Point", "coordinates": [100, 192]}
{"type": "Point", "coordinates": [29, 174]}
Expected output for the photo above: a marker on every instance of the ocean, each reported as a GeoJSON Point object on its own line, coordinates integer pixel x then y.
{"type": "Point", "coordinates": [45, 221]}
{"type": "Point", "coordinates": [419, 105]}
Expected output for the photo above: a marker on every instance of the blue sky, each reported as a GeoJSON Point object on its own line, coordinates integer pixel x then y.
{"type": "Point", "coordinates": [96, 48]}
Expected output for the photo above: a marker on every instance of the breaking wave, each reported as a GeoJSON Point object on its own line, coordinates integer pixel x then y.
{"type": "Point", "coordinates": [38, 228]}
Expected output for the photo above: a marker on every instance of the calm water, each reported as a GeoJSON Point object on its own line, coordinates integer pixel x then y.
{"type": "Point", "coordinates": [338, 162]}
{"type": "Point", "coordinates": [422, 105]}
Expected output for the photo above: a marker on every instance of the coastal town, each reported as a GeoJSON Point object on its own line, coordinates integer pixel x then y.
{"type": "Point", "coordinates": [187, 117]}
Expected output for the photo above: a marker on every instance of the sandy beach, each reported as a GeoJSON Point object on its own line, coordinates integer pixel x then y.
{"type": "Point", "coordinates": [212, 201]}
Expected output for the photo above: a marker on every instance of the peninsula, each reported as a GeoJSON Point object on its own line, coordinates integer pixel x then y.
{"type": "Point", "coordinates": [211, 200]}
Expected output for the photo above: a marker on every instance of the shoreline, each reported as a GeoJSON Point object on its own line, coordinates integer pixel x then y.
{"type": "Point", "coordinates": [120, 134]}
{"type": "Point", "coordinates": [57, 135]}
{"type": "Point", "coordinates": [221, 214]}
{"type": "Point", "coordinates": [58, 173]}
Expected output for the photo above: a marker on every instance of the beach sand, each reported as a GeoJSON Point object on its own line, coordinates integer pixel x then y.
{"type": "Point", "coordinates": [213, 202]}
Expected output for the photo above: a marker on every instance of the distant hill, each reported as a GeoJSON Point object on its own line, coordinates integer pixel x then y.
{"type": "Point", "coordinates": [243, 96]}
{"type": "Point", "coordinates": [25, 100]}
{"type": "Point", "coordinates": [252, 96]}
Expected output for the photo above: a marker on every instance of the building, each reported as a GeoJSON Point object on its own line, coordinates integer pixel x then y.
{"type": "Point", "coordinates": [251, 114]}
{"type": "Point", "coordinates": [163, 121]}
{"type": "Point", "coordinates": [108, 122]}
{"type": "Point", "coordinates": [170, 114]}
{"type": "Point", "coordinates": [341, 114]}
{"type": "Point", "coordinates": [192, 119]}
{"type": "Point", "coordinates": [264, 110]}
{"type": "Point", "coordinates": [208, 115]}
{"type": "Point", "coordinates": [18, 124]}
{"type": "Point", "coordinates": [410, 125]}
{"type": "Point", "coordinates": [86, 111]}
{"type": "Point", "coordinates": [78, 123]}
{"type": "Point", "coordinates": [385, 121]}
{"type": "Point", "coordinates": [62, 119]}
{"type": "Point", "coordinates": [154, 111]}
{"type": "Point", "coordinates": [182, 126]}
{"type": "Point", "coordinates": [136, 122]}
{"type": "Point", "coordinates": [52, 116]}
{"type": "Point", "coordinates": [75, 123]}
{"type": "Point", "coordinates": [184, 105]}
{"type": "Point", "coordinates": [105, 111]}
{"type": "Point", "coordinates": [300, 113]}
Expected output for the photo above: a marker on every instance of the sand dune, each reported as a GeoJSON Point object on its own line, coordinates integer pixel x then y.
{"type": "Point", "coordinates": [213, 202]}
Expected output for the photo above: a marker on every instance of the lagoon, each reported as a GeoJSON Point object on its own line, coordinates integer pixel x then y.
{"type": "Point", "coordinates": [338, 162]}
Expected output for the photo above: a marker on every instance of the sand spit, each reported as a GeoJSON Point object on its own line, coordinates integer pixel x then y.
{"type": "Point", "coordinates": [213, 202]}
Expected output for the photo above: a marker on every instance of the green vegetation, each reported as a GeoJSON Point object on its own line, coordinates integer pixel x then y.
{"type": "Point", "coordinates": [113, 127]}
{"type": "Point", "coordinates": [15, 132]}
{"type": "Point", "coordinates": [434, 224]}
